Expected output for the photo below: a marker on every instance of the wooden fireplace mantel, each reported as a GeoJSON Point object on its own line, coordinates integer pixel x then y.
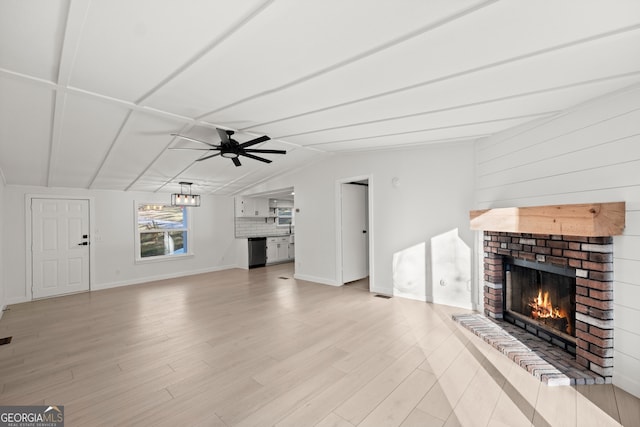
{"type": "Point", "coordinates": [589, 220]}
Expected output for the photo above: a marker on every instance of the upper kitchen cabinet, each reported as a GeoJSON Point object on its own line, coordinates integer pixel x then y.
{"type": "Point", "coordinates": [252, 207]}
{"type": "Point", "coordinates": [279, 203]}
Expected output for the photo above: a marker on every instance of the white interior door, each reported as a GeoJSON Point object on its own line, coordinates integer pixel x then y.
{"type": "Point", "coordinates": [60, 246]}
{"type": "Point", "coordinates": [355, 233]}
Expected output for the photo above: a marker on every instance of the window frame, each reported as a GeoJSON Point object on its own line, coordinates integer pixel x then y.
{"type": "Point", "coordinates": [278, 216]}
{"type": "Point", "coordinates": [187, 219]}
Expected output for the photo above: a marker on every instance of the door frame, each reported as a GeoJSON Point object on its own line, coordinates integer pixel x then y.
{"type": "Point", "coordinates": [28, 225]}
{"type": "Point", "coordinates": [370, 231]}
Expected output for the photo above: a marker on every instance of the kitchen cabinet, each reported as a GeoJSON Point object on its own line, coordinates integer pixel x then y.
{"type": "Point", "coordinates": [272, 250]}
{"type": "Point", "coordinates": [292, 252]}
{"type": "Point", "coordinates": [252, 207]}
{"type": "Point", "coordinates": [261, 207]}
{"type": "Point", "coordinates": [244, 205]}
{"type": "Point", "coordinates": [277, 249]}
{"type": "Point", "coordinates": [273, 203]}
{"type": "Point", "coordinates": [283, 251]}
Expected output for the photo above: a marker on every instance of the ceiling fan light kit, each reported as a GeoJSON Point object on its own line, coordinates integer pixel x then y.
{"type": "Point", "coordinates": [229, 148]}
{"type": "Point", "coordinates": [185, 199]}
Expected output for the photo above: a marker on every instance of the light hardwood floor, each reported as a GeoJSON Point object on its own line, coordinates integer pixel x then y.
{"type": "Point", "coordinates": [259, 348]}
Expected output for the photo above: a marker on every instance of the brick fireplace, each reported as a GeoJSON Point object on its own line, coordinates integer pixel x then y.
{"type": "Point", "coordinates": [592, 259]}
{"type": "Point", "coordinates": [573, 240]}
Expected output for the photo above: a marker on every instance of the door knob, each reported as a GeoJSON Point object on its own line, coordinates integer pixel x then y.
{"type": "Point", "coordinates": [83, 244]}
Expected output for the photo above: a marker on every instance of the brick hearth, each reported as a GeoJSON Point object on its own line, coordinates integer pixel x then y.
{"type": "Point", "coordinates": [592, 258]}
{"type": "Point", "coordinates": [540, 358]}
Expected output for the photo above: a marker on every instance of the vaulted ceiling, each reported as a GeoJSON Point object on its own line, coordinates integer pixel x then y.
{"type": "Point", "coordinates": [90, 91]}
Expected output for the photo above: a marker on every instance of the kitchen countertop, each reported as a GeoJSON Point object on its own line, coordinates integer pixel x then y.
{"type": "Point", "coordinates": [265, 235]}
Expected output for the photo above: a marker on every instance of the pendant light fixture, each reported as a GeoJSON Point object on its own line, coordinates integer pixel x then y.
{"type": "Point", "coordinates": [185, 199]}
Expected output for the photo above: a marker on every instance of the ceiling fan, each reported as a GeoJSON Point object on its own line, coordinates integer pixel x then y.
{"type": "Point", "coordinates": [230, 148]}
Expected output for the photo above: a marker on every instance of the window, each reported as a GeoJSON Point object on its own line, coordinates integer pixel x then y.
{"type": "Point", "coordinates": [284, 217]}
{"type": "Point", "coordinates": [162, 231]}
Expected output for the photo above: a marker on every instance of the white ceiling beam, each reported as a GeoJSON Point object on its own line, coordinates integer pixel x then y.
{"type": "Point", "coordinates": [457, 125]}
{"type": "Point", "coordinates": [470, 104]}
{"type": "Point", "coordinates": [76, 18]}
{"type": "Point", "coordinates": [452, 76]}
{"type": "Point", "coordinates": [422, 143]}
{"type": "Point", "coordinates": [587, 104]}
{"type": "Point", "coordinates": [125, 125]}
{"type": "Point", "coordinates": [377, 49]}
{"type": "Point", "coordinates": [208, 48]}
{"type": "Point", "coordinates": [301, 166]}
{"type": "Point", "coordinates": [176, 176]}
{"type": "Point", "coordinates": [185, 128]}
{"type": "Point", "coordinates": [37, 81]}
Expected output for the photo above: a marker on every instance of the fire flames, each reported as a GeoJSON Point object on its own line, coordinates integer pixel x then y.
{"type": "Point", "coordinates": [542, 308]}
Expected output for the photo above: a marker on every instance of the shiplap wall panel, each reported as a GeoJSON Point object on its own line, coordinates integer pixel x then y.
{"type": "Point", "coordinates": [625, 363]}
{"type": "Point", "coordinates": [633, 222]}
{"type": "Point", "coordinates": [627, 246]}
{"type": "Point", "coordinates": [626, 272]}
{"type": "Point", "coordinates": [625, 342]}
{"type": "Point", "coordinates": [586, 151]}
{"type": "Point", "coordinates": [588, 154]}
{"type": "Point", "coordinates": [544, 129]}
{"type": "Point", "coordinates": [590, 159]}
{"type": "Point", "coordinates": [626, 318]}
{"type": "Point", "coordinates": [626, 293]}
{"type": "Point", "coordinates": [582, 141]}
{"type": "Point", "coordinates": [493, 148]}
{"type": "Point", "coordinates": [593, 179]}
{"type": "Point", "coordinates": [630, 195]}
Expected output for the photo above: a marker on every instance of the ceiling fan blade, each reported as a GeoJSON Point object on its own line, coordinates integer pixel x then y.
{"type": "Point", "coordinates": [236, 161]}
{"type": "Point", "coordinates": [187, 148]}
{"type": "Point", "coordinates": [251, 156]}
{"type": "Point", "coordinates": [207, 157]}
{"type": "Point", "coordinates": [188, 138]}
{"type": "Point", "coordinates": [260, 150]}
{"type": "Point", "coordinates": [224, 136]}
{"type": "Point", "coordinates": [255, 141]}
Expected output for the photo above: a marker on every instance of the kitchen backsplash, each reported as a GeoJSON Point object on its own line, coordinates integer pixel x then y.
{"type": "Point", "coordinates": [256, 227]}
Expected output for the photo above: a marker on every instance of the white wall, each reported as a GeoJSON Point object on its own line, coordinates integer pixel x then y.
{"type": "Point", "coordinates": [589, 154]}
{"type": "Point", "coordinates": [2, 226]}
{"type": "Point", "coordinates": [212, 238]}
{"type": "Point", "coordinates": [433, 196]}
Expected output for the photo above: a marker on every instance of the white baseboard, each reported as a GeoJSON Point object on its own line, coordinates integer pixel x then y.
{"type": "Point", "coordinates": [147, 279]}
{"type": "Point", "coordinates": [407, 295]}
{"type": "Point", "coordinates": [382, 291]}
{"type": "Point", "coordinates": [109, 285]}
{"type": "Point", "coordinates": [627, 384]}
{"type": "Point", "coordinates": [321, 280]}
{"type": "Point", "coordinates": [17, 300]}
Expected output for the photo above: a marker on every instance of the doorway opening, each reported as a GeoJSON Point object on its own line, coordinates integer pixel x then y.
{"type": "Point", "coordinates": [362, 284]}
{"type": "Point", "coordinates": [354, 233]}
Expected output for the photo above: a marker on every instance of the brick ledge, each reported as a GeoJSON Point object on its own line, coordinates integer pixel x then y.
{"type": "Point", "coordinates": [541, 359]}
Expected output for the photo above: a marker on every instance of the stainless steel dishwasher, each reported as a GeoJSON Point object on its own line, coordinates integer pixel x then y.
{"type": "Point", "coordinates": [257, 251]}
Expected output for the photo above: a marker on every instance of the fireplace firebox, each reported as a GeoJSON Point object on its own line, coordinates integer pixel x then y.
{"type": "Point", "coordinates": [590, 258]}
{"type": "Point", "coordinates": [541, 298]}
